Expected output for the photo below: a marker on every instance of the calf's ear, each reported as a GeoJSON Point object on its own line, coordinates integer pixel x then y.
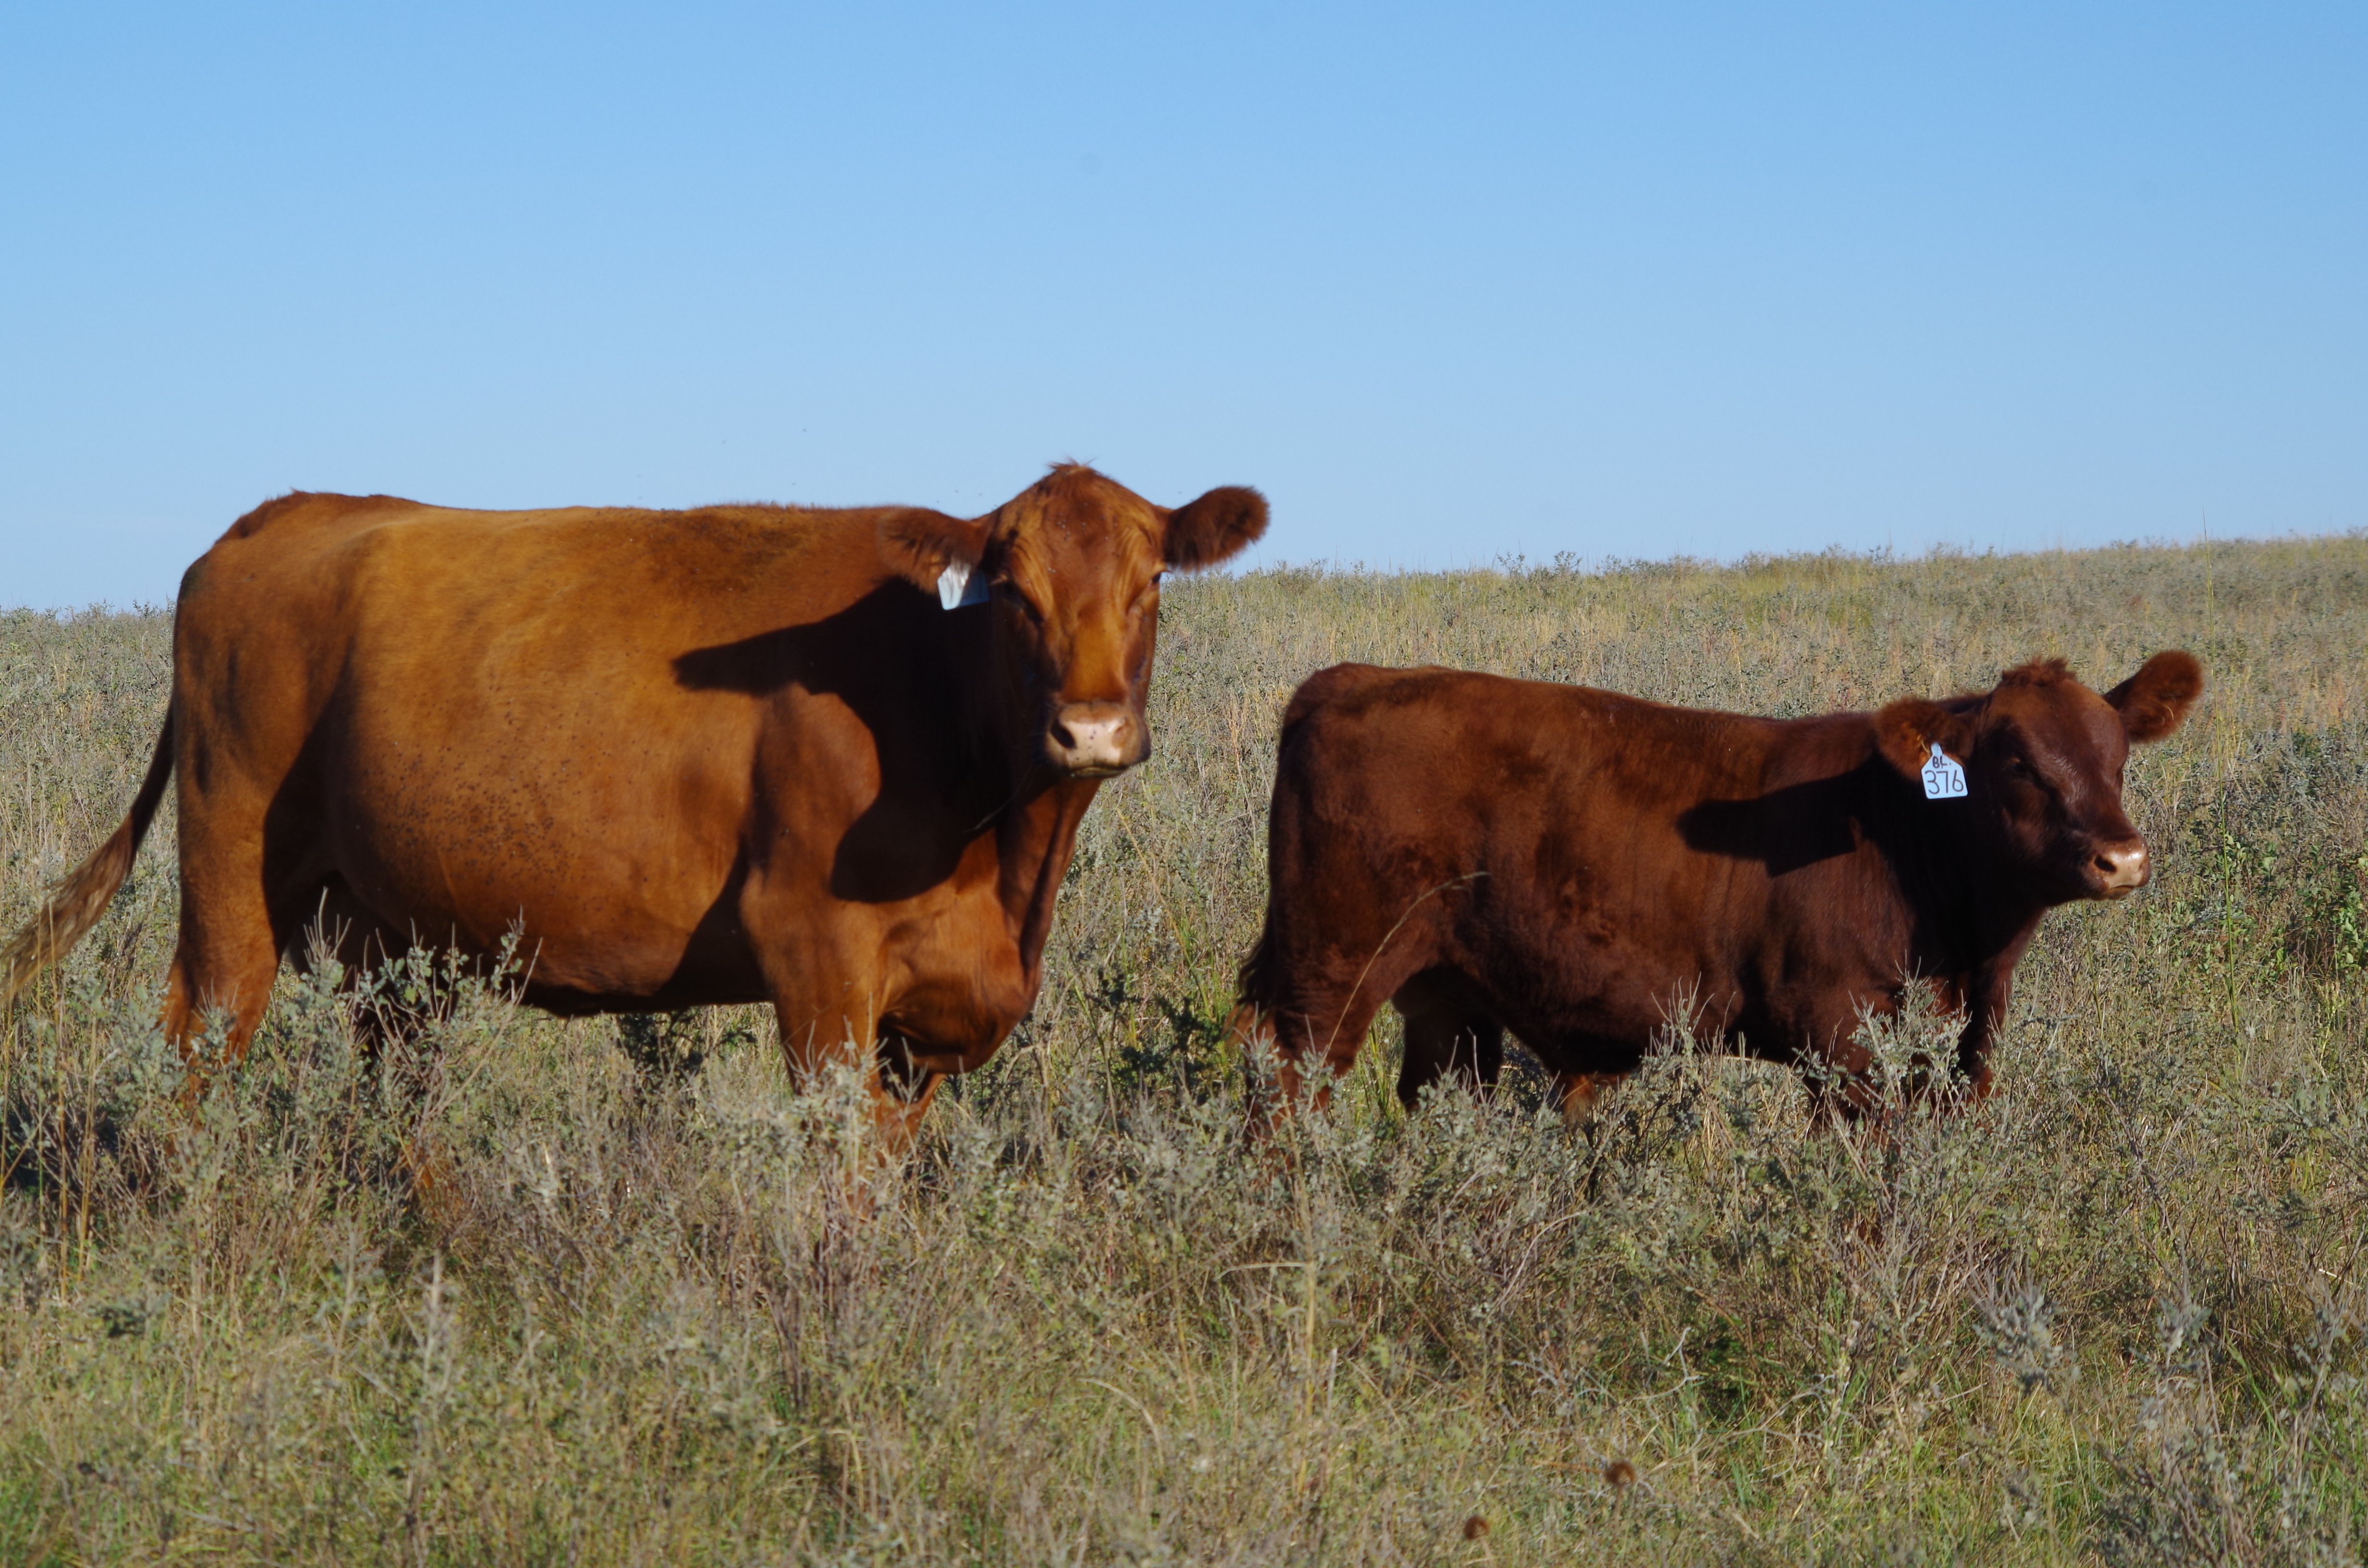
{"type": "Point", "coordinates": [2153, 701]}
{"type": "Point", "coordinates": [1907, 730]}
{"type": "Point", "coordinates": [918, 545]}
{"type": "Point", "coordinates": [1220, 524]}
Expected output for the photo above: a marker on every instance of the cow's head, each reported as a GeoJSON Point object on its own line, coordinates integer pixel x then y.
{"type": "Point", "coordinates": [1069, 572]}
{"type": "Point", "coordinates": [2042, 756]}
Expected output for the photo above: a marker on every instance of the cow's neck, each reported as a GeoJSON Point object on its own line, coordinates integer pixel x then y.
{"type": "Point", "coordinates": [1034, 841]}
{"type": "Point", "coordinates": [1964, 916]}
{"type": "Point", "coordinates": [1033, 822]}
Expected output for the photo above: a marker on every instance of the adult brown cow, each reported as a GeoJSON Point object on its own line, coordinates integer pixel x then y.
{"type": "Point", "coordinates": [834, 760]}
{"type": "Point", "coordinates": [1571, 865]}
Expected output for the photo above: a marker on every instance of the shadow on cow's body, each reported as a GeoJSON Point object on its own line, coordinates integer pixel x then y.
{"type": "Point", "coordinates": [1578, 867]}
{"type": "Point", "coordinates": [834, 760]}
{"type": "Point", "coordinates": [941, 778]}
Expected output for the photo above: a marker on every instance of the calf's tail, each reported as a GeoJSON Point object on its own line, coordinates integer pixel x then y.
{"type": "Point", "coordinates": [83, 896]}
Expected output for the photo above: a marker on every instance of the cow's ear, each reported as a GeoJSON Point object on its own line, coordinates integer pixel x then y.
{"type": "Point", "coordinates": [918, 545]}
{"type": "Point", "coordinates": [2153, 701]}
{"type": "Point", "coordinates": [1907, 730]}
{"type": "Point", "coordinates": [1220, 524]}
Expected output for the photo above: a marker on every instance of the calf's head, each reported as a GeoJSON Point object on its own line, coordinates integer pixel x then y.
{"type": "Point", "coordinates": [1069, 572]}
{"type": "Point", "coordinates": [2042, 756]}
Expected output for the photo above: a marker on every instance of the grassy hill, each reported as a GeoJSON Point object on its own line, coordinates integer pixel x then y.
{"type": "Point", "coordinates": [542, 1291]}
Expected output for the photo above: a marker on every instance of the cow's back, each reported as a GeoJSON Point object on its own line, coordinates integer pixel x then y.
{"type": "Point", "coordinates": [484, 720]}
{"type": "Point", "coordinates": [1545, 841]}
{"type": "Point", "coordinates": [1457, 760]}
{"type": "Point", "coordinates": [482, 641]}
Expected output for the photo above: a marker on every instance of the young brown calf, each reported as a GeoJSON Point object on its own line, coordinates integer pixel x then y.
{"type": "Point", "coordinates": [1494, 855]}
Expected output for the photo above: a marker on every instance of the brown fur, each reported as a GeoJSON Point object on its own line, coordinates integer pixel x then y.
{"type": "Point", "coordinates": [2038, 673]}
{"type": "Point", "coordinates": [732, 754]}
{"type": "Point", "coordinates": [2154, 700]}
{"type": "Point", "coordinates": [1213, 527]}
{"type": "Point", "coordinates": [1580, 869]}
{"type": "Point", "coordinates": [919, 544]}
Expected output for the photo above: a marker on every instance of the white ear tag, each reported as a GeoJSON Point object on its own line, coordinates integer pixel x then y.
{"type": "Point", "coordinates": [957, 588]}
{"type": "Point", "coordinates": [1943, 780]}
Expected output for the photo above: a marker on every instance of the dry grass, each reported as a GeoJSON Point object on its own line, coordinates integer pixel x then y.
{"type": "Point", "coordinates": [530, 1290]}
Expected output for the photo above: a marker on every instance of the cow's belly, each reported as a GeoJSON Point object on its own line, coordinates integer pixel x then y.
{"type": "Point", "coordinates": [1591, 986]}
{"type": "Point", "coordinates": [616, 893]}
{"type": "Point", "coordinates": [1767, 999]}
{"type": "Point", "coordinates": [1631, 1004]}
{"type": "Point", "coordinates": [1607, 941]}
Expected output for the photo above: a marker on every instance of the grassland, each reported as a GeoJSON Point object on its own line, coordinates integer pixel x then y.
{"type": "Point", "coordinates": [531, 1290]}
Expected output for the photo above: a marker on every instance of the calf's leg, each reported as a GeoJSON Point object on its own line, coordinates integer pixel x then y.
{"type": "Point", "coordinates": [1316, 1031]}
{"type": "Point", "coordinates": [1577, 1094]}
{"type": "Point", "coordinates": [1319, 973]}
{"type": "Point", "coordinates": [1445, 1036]}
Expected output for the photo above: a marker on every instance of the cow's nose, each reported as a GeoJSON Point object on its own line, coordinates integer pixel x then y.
{"type": "Point", "coordinates": [1096, 739]}
{"type": "Point", "coordinates": [2122, 869]}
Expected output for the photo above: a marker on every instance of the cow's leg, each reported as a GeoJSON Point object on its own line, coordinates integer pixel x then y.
{"type": "Point", "coordinates": [816, 1040]}
{"type": "Point", "coordinates": [1986, 1003]}
{"type": "Point", "coordinates": [904, 1090]}
{"type": "Point", "coordinates": [1841, 1083]}
{"type": "Point", "coordinates": [223, 963]}
{"type": "Point", "coordinates": [1318, 1039]}
{"type": "Point", "coordinates": [1314, 1006]}
{"type": "Point", "coordinates": [321, 922]}
{"type": "Point", "coordinates": [325, 922]}
{"type": "Point", "coordinates": [219, 979]}
{"type": "Point", "coordinates": [1586, 1067]}
{"type": "Point", "coordinates": [1307, 1044]}
{"type": "Point", "coordinates": [1445, 1036]}
{"type": "Point", "coordinates": [1310, 990]}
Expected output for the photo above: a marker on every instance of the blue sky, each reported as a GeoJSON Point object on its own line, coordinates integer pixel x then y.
{"type": "Point", "coordinates": [1446, 282]}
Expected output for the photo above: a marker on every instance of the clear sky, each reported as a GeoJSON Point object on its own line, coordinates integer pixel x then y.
{"type": "Point", "coordinates": [1447, 282]}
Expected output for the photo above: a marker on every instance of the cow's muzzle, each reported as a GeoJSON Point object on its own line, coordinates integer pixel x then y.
{"type": "Point", "coordinates": [1094, 740]}
{"type": "Point", "coordinates": [2119, 870]}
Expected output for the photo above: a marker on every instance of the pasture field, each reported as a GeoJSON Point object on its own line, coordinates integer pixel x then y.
{"type": "Point", "coordinates": [529, 1291]}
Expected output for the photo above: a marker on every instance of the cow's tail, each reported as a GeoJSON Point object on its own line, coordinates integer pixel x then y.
{"type": "Point", "coordinates": [83, 896]}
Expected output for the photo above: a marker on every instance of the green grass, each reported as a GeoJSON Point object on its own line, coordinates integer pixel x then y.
{"type": "Point", "coordinates": [526, 1290]}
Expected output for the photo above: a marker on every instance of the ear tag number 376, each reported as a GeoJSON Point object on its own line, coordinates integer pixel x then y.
{"type": "Point", "coordinates": [1943, 780]}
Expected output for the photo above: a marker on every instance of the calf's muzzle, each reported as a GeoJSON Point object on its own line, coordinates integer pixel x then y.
{"type": "Point", "coordinates": [2121, 869]}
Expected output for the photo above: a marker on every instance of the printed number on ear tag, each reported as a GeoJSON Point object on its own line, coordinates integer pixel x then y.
{"type": "Point", "coordinates": [957, 586]}
{"type": "Point", "coordinates": [1943, 780]}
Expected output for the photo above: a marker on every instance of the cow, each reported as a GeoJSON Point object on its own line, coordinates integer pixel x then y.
{"type": "Point", "coordinates": [1583, 869]}
{"type": "Point", "coordinates": [834, 760]}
